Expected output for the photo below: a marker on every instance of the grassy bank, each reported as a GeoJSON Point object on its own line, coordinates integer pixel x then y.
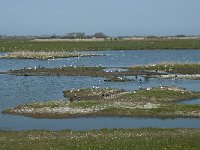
{"type": "Point", "coordinates": [13, 45]}
{"type": "Point", "coordinates": [165, 70]}
{"type": "Point", "coordinates": [121, 139]}
{"type": "Point", "coordinates": [154, 102]}
{"type": "Point", "coordinates": [171, 68]}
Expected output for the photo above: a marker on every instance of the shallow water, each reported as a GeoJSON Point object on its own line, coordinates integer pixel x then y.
{"type": "Point", "coordinates": [194, 101]}
{"type": "Point", "coordinates": [25, 123]}
{"type": "Point", "coordinates": [15, 90]}
{"type": "Point", "coordinates": [111, 59]}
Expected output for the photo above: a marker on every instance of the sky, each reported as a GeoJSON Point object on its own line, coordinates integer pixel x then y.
{"type": "Point", "coordinates": [113, 17]}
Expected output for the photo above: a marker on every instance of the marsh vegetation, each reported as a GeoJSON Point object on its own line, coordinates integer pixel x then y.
{"type": "Point", "coordinates": [122, 139]}
{"type": "Point", "coordinates": [144, 100]}
{"type": "Point", "coordinates": [152, 102]}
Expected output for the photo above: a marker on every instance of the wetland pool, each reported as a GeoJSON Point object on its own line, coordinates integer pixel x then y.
{"type": "Point", "coordinates": [16, 90]}
{"type": "Point", "coordinates": [193, 102]}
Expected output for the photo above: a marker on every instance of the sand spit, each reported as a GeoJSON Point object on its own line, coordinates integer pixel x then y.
{"type": "Point", "coordinates": [44, 55]}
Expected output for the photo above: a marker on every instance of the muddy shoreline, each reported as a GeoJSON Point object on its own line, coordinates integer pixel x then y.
{"type": "Point", "coordinates": [44, 55]}
{"type": "Point", "coordinates": [166, 71]}
{"type": "Point", "coordinates": [77, 71]}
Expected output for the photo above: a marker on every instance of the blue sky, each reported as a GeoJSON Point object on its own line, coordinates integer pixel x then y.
{"type": "Point", "coordinates": [113, 17]}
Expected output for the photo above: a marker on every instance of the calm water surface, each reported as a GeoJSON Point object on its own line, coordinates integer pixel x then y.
{"type": "Point", "coordinates": [15, 90]}
{"type": "Point", "coordinates": [111, 59]}
{"type": "Point", "coordinates": [194, 101]}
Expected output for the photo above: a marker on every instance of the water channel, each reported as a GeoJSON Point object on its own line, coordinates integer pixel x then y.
{"type": "Point", "coordinates": [15, 90]}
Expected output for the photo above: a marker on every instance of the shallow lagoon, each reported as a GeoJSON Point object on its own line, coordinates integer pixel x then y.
{"type": "Point", "coordinates": [15, 90]}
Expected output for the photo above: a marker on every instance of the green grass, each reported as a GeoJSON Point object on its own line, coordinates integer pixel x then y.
{"type": "Point", "coordinates": [51, 104]}
{"type": "Point", "coordinates": [186, 68]}
{"type": "Point", "coordinates": [160, 95]}
{"type": "Point", "coordinates": [121, 139]}
{"type": "Point", "coordinates": [10, 45]}
{"type": "Point", "coordinates": [171, 110]}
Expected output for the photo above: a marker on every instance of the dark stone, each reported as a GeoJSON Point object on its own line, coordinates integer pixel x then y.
{"type": "Point", "coordinates": [71, 99]}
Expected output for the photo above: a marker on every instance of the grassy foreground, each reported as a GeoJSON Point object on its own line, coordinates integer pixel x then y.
{"type": "Point", "coordinates": [121, 139]}
{"type": "Point", "coordinates": [11, 45]}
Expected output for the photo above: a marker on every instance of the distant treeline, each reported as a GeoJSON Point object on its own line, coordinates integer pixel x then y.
{"type": "Point", "coordinates": [83, 35]}
{"type": "Point", "coordinates": [73, 35]}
